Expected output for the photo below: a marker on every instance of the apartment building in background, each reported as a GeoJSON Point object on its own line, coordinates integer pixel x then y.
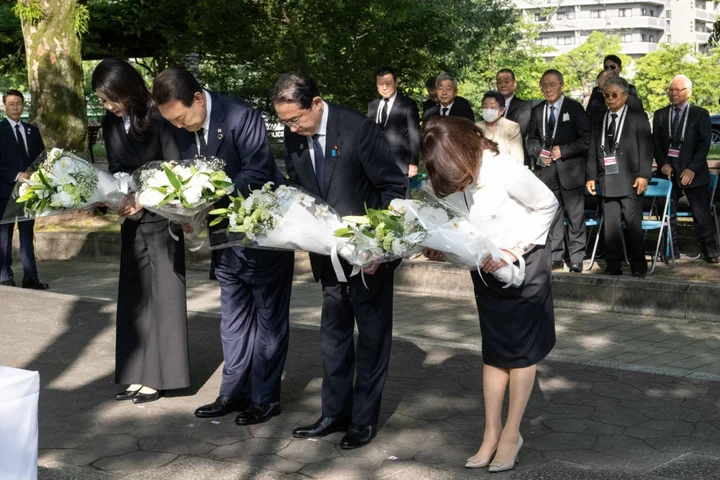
{"type": "Point", "coordinates": [641, 25]}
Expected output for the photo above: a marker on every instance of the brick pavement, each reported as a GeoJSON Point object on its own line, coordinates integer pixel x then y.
{"type": "Point", "coordinates": [621, 398]}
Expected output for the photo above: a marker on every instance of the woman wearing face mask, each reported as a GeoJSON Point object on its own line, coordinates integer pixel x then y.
{"type": "Point", "coordinates": [499, 129]}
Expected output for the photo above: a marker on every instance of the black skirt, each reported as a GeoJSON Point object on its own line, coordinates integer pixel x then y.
{"type": "Point", "coordinates": [152, 345]}
{"type": "Point", "coordinates": [517, 323]}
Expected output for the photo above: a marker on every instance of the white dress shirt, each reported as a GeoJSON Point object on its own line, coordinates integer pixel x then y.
{"type": "Point", "coordinates": [126, 123]}
{"type": "Point", "coordinates": [558, 106]}
{"type": "Point", "coordinates": [206, 123]}
{"type": "Point", "coordinates": [390, 104]}
{"type": "Point", "coordinates": [513, 206]}
{"type": "Point", "coordinates": [22, 132]}
{"type": "Point", "coordinates": [322, 134]}
{"type": "Point", "coordinates": [449, 107]}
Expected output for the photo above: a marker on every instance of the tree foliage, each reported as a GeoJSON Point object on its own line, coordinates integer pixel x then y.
{"type": "Point", "coordinates": [581, 65]}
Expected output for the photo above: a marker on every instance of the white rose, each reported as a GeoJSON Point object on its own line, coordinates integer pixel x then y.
{"type": "Point", "coordinates": [150, 198]}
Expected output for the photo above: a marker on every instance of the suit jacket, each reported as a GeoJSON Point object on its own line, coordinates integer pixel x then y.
{"type": "Point", "coordinates": [12, 161]}
{"type": "Point", "coordinates": [461, 108]}
{"type": "Point", "coordinates": [519, 112]}
{"type": "Point", "coordinates": [238, 136]}
{"type": "Point", "coordinates": [693, 150]}
{"type": "Point", "coordinates": [402, 129]}
{"type": "Point", "coordinates": [125, 152]}
{"type": "Point", "coordinates": [508, 138]}
{"type": "Point", "coordinates": [360, 172]}
{"type": "Point", "coordinates": [634, 155]}
{"type": "Point", "coordinates": [427, 105]}
{"type": "Point", "coordinates": [573, 138]}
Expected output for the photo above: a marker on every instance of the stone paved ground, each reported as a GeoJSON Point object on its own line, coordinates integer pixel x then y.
{"type": "Point", "coordinates": [621, 419]}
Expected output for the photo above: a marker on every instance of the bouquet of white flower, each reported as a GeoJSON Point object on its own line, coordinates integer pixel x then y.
{"type": "Point", "coordinates": [286, 218]}
{"type": "Point", "coordinates": [182, 191]}
{"type": "Point", "coordinates": [61, 182]}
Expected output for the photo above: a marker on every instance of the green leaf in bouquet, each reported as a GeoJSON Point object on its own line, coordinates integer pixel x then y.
{"type": "Point", "coordinates": [344, 232]}
{"type": "Point", "coordinates": [41, 206]}
{"type": "Point", "coordinates": [219, 211]}
{"type": "Point", "coordinates": [193, 170]}
{"type": "Point", "coordinates": [220, 192]}
{"type": "Point", "coordinates": [166, 200]}
{"type": "Point", "coordinates": [43, 179]}
{"type": "Point", "coordinates": [184, 202]}
{"type": "Point", "coordinates": [172, 178]}
{"type": "Point", "coordinates": [216, 220]}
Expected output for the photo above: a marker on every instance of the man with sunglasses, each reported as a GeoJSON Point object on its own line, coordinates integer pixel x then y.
{"type": "Point", "coordinates": [619, 165]}
{"type": "Point", "coordinates": [613, 65]}
{"type": "Point", "coordinates": [682, 133]}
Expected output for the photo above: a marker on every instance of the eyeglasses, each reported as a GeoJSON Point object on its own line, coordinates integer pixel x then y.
{"type": "Point", "coordinates": [294, 122]}
{"type": "Point", "coordinates": [612, 95]}
{"type": "Point", "coordinates": [610, 67]}
{"type": "Point", "coordinates": [675, 90]}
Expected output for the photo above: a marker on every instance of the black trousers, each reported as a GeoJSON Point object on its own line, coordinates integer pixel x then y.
{"type": "Point", "coordinates": [572, 207]}
{"type": "Point", "coordinates": [628, 208]}
{"type": "Point", "coordinates": [343, 304]}
{"type": "Point", "coordinates": [27, 248]}
{"type": "Point", "coordinates": [255, 289]}
{"type": "Point", "coordinates": [699, 200]}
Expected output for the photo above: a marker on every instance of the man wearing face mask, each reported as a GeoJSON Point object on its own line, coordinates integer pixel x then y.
{"type": "Point", "coordinates": [499, 129]}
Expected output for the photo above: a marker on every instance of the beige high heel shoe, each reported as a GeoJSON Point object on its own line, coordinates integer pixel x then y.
{"type": "Point", "coordinates": [504, 467]}
{"type": "Point", "coordinates": [476, 462]}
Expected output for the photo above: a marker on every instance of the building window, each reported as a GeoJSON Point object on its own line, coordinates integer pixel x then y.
{"type": "Point", "coordinates": [648, 12]}
{"type": "Point", "coordinates": [567, 40]}
{"type": "Point", "coordinates": [651, 38]}
{"type": "Point", "coordinates": [625, 12]}
{"type": "Point", "coordinates": [626, 38]}
{"type": "Point", "coordinates": [597, 13]}
{"type": "Point", "coordinates": [569, 15]}
{"type": "Point", "coordinates": [539, 17]}
{"type": "Point", "coordinates": [643, 37]}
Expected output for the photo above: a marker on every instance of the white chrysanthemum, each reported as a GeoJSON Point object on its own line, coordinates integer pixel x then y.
{"type": "Point", "coordinates": [193, 195]}
{"type": "Point", "coordinates": [150, 198]}
{"type": "Point", "coordinates": [63, 198]}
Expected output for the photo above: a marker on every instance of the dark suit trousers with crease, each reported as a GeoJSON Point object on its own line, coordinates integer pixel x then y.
{"type": "Point", "coordinates": [629, 208]}
{"type": "Point", "coordinates": [343, 304]}
{"type": "Point", "coordinates": [699, 200]}
{"type": "Point", "coordinates": [572, 207]}
{"type": "Point", "coordinates": [27, 248]}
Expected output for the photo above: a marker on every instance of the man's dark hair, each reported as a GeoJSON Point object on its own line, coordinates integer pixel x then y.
{"type": "Point", "coordinates": [14, 93]}
{"type": "Point", "coordinates": [175, 83]}
{"type": "Point", "coordinates": [382, 71]}
{"type": "Point", "coordinates": [506, 70]}
{"type": "Point", "coordinates": [496, 95]}
{"type": "Point", "coordinates": [430, 83]}
{"type": "Point", "coordinates": [294, 87]}
{"type": "Point", "coordinates": [614, 59]}
{"type": "Point", "coordinates": [557, 73]}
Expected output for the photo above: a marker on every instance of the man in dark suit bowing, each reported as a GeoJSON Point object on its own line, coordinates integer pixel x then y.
{"type": "Point", "coordinates": [398, 118]}
{"type": "Point", "coordinates": [619, 165]}
{"type": "Point", "coordinates": [558, 138]}
{"type": "Point", "coordinates": [516, 109]}
{"type": "Point", "coordinates": [255, 285]}
{"type": "Point", "coordinates": [342, 157]}
{"type": "Point", "coordinates": [681, 135]}
{"type": "Point", "coordinates": [448, 101]}
{"type": "Point", "coordinates": [20, 145]}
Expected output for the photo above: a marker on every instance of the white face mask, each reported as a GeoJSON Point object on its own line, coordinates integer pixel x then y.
{"type": "Point", "coordinates": [490, 114]}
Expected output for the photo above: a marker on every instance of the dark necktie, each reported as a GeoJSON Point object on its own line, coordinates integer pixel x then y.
{"type": "Point", "coordinates": [610, 134]}
{"type": "Point", "coordinates": [21, 142]}
{"type": "Point", "coordinates": [445, 111]}
{"type": "Point", "coordinates": [203, 144]}
{"type": "Point", "coordinates": [675, 125]}
{"type": "Point", "coordinates": [550, 126]}
{"type": "Point", "coordinates": [384, 113]}
{"type": "Point", "coordinates": [319, 161]}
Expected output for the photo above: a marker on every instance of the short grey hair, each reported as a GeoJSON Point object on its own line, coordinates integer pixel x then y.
{"type": "Point", "coordinates": [445, 76]}
{"type": "Point", "coordinates": [619, 82]}
{"type": "Point", "coordinates": [685, 79]}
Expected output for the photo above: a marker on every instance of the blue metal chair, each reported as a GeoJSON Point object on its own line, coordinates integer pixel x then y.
{"type": "Point", "coordinates": [658, 188]}
{"type": "Point", "coordinates": [713, 210]}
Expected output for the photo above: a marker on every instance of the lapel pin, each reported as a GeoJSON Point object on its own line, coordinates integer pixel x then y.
{"type": "Point", "coordinates": [220, 134]}
{"type": "Point", "coordinates": [336, 151]}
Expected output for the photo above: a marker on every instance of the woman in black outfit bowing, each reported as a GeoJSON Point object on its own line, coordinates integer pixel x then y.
{"type": "Point", "coordinates": [151, 352]}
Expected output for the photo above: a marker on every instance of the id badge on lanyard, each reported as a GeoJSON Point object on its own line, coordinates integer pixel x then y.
{"type": "Point", "coordinates": [545, 151]}
{"type": "Point", "coordinates": [674, 153]}
{"type": "Point", "coordinates": [611, 165]}
{"type": "Point", "coordinates": [610, 159]}
{"type": "Point", "coordinates": [672, 156]}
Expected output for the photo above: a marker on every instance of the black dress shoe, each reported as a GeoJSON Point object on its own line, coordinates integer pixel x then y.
{"type": "Point", "coordinates": [258, 413]}
{"type": "Point", "coordinates": [34, 283]}
{"type": "Point", "coordinates": [358, 436]}
{"type": "Point", "coordinates": [127, 394]}
{"type": "Point", "coordinates": [576, 268]}
{"type": "Point", "coordinates": [639, 274]}
{"type": "Point", "coordinates": [222, 406]}
{"type": "Point", "coordinates": [147, 397]}
{"type": "Point", "coordinates": [613, 271]}
{"type": "Point", "coordinates": [712, 259]}
{"type": "Point", "coordinates": [557, 265]}
{"type": "Point", "coordinates": [324, 426]}
{"type": "Point", "coordinates": [8, 283]}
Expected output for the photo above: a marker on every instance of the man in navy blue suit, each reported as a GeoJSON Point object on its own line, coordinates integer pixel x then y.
{"type": "Point", "coordinates": [255, 285]}
{"type": "Point", "coordinates": [20, 144]}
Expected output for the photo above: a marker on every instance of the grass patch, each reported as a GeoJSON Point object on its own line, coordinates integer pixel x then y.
{"type": "Point", "coordinates": [86, 221]}
{"type": "Point", "coordinates": [714, 152]}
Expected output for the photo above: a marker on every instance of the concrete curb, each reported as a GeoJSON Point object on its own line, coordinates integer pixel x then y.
{"type": "Point", "coordinates": [687, 300]}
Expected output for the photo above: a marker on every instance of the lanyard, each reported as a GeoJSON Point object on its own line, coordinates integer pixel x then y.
{"type": "Point", "coordinates": [545, 120]}
{"type": "Point", "coordinates": [618, 129]}
{"type": "Point", "coordinates": [682, 134]}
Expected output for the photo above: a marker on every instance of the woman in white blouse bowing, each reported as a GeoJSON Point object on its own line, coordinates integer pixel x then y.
{"type": "Point", "coordinates": [499, 129]}
{"type": "Point", "coordinates": [517, 323]}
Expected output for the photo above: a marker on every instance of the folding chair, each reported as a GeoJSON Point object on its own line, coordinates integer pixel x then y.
{"type": "Point", "coordinates": [658, 188]}
{"type": "Point", "coordinates": [713, 208]}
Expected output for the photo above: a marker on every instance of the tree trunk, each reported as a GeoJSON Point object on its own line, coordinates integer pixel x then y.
{"type": "Point", "coordinates": [55, 75]}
